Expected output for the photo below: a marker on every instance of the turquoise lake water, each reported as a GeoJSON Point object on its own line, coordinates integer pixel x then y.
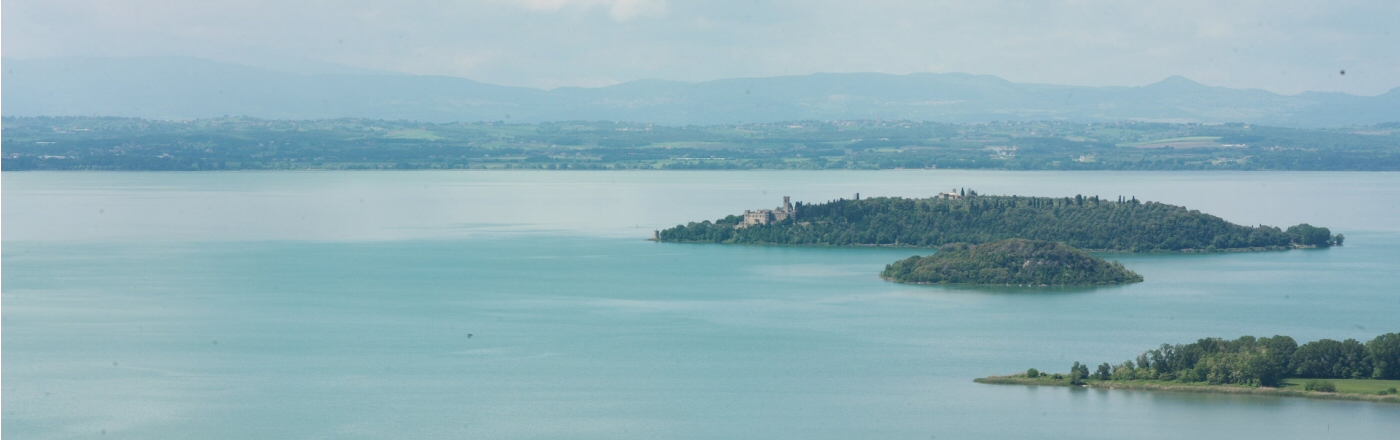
{"type": "Point", "coordinates": [528, 305]}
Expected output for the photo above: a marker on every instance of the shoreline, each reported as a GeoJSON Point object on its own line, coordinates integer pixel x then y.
{"type": "Point", "coordinates": [1189, 388]}
{"type": "Point", "coordinates": [1092, 251]}
{"type": "Point", "coordinates": [1002, 285]}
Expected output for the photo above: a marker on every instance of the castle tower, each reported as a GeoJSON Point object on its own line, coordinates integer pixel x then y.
{"type": "Point", "coordinates": [787, 203]}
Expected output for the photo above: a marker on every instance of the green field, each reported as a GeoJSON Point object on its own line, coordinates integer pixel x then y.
{"type": "Point", "coordinates": [1358, 386]}
{"type": "Point", "coordinates": [1171, 140]}
{"type": "Point", "coordinates": [687, 144]}
{"type": "Point", "coordinates": [414, 134]}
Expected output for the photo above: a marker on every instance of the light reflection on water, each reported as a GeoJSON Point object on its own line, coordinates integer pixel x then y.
{"type": "Point", "coordinates": [356, 206]}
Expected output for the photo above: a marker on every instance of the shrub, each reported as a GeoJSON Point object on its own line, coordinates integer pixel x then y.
{"type": "Point", "coordinates": [1032, 373]}
{"type": "Point", "coordinates": [1078, 373]}
{"type": "Point", "coordinates": [1325, 386]}
{"type": "Point", "coordinates": [1123, 371]}
{"type": "Point", "coordinates": [1192, 375]}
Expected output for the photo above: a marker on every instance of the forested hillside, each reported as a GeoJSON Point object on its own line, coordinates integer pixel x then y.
{"type": "Point", "coordinates": [1089, 223]}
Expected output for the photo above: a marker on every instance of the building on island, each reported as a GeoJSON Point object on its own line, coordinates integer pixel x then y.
{"type": "Point", "coordinates": [766, 216]}
{"type": "Point", "coordinates": [950, 195]}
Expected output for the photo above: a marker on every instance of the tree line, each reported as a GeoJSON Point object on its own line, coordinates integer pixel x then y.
{"type": "Point", "coordinates": [1263, 361]}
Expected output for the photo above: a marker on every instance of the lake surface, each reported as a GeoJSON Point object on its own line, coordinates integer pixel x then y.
{"type": "Point", "coordinates": [528, 305]}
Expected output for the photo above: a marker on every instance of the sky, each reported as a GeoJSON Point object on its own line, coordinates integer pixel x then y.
{"type": "Point", "coordinates": [1282, 46]}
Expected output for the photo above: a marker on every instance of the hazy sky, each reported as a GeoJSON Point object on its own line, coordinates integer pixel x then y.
{"type": "Point", "coordinates": [1282, 46]}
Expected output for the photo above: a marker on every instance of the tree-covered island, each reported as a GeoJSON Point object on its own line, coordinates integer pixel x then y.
{"type": "Point", "coordinates": [1090, 223]}
{"type": "Point", "coordinates": [1014, 261]}
{"type": "Point", "coordinates": [1276, 365]}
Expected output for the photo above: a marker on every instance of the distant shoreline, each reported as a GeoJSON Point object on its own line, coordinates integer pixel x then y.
{"type": "Point", "coordinates": [1189, 388]}
{"type": "Point", "coordinates": [243, 143]}
{"type": "Point", "coordinates": [678, 170]}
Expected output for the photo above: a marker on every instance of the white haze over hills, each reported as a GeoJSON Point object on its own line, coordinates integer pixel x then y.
{"type": "Point", "coordinates": [184, 87]}
{"type": "Point", "coordinates": [1283, 46]}
{"type": "Point", "coordinates": [707, 62]}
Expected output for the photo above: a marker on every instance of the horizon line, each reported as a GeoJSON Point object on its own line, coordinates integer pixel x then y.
{"type": "Point", "coordinates": [389, 73]}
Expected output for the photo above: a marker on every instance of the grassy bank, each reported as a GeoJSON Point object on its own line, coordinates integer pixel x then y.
{"type": "Point", "coordinates": [1349, 386]}
{"type": "Point", "coordinates": [1347, 389]}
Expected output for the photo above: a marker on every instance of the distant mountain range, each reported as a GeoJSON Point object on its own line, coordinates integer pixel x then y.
{"type": "Point", "coordinates": [181, 88]}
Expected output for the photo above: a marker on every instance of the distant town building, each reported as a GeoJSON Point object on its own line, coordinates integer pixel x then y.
{"type": "Point", "coordinates": [954, 194]}
{"type": "Point", "coordinates": [766, 216]}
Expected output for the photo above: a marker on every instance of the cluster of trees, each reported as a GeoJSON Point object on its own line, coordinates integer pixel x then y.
{"type": "Point", "coordinates": [1010, 262]}
{"type": "Point", "coordinates": [1309, 235]}
{"type": "Point", "coordinates": [1255, 361]}
{"type": "Point", "coordinates": [1124, 224]}
{"type": "Point", "coordinates": [107, 143]}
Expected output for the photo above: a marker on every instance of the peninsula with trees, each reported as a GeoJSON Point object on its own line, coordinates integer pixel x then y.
{"type": "Point", "coordinates": [1122, 224]}
{"type": "Point", "coordinates": [1015, 261]}
{"type": "Point", "coordinates": [1278, 366]}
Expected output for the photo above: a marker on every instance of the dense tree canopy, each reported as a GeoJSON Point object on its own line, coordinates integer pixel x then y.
{"type": "Point", "coordinates": [1012, 261]}
{"type": "Point", "coordinates": [1091, 223]}
{"type": "Point", "coordinates": [1332, 359]}
{"type": "Point", "coordinates": [1310, 235]}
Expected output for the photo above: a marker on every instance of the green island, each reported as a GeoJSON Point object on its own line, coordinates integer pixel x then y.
{"type": "Point", "coordinates": [1014, 261]}
{"type": "Point", "coordinates": [1275, 366]}
{"type": "Point", "coordinates": [962, 216]}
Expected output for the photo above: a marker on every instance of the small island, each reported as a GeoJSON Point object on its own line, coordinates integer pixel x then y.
{"type": "Point", "coordinates": [1122, 224]}
{"type": "Point", "coordinates": [1272, 366]}
{"type": "Point", "coordinates": [1015, 262]}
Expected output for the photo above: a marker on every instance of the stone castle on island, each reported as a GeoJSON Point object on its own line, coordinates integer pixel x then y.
{"type": "Point", "coordinates": [759, 217]}
{"type": "Point", "coordinates": [787, 211]}
{"type": "Point", "coordinates": [766, 216]}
